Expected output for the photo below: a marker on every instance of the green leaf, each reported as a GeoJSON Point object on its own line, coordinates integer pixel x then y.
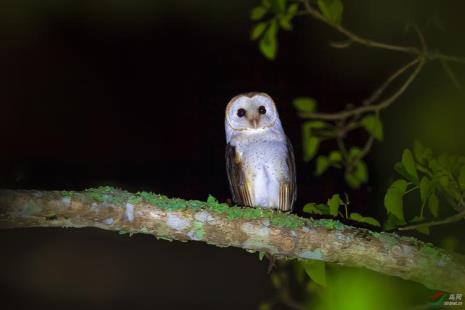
{"type": "Point", "coordinates": [304, 104]}
{"type": "Point", "coordinates": [261, 255]}
{"type": "Point", "coordinates": [399, 168]}
{"type": "Point", "coordinates": [285, 23]}
{"type": "Point", "coordinates": [393, 200]}
{"type": "Point", "coordinates": [292, 10]}
{"type": "Point", "coordinates": [433, 205]}
{"type": "Point", "coordinates": [422, 154]}
{"type": "Point", "coordinates": [392, 221]}
{"type": "Point", "coordinates": [409, 164]}
{"type": "Point", "coordinates": [373, 125]}
{"type": "Point", "coordinates": [335, 157]}
{"type": "Point", "coordinates": [425, 189]}
{"type": "Point", "coordinates": [332, 10]}
{"type": "Point", "coordinates": [322, 163]}
{"type": "Point", "coordinates": [358, 176]}
{"type": "Point", "coordinates": [462, 178]}
{"type": "Point", "coordinates": [362, 219]}
{"type": "Point", "coordinates": [257, 30]}
{"type": "Point", "coordinates": [313, 208]}
{"type": "Point", "coordinates": [334, 202]}
{"type": "Point", "coordinates": [316, 270]}
{"type": "Point", "coordinates": [268, 44]}
{"type": "Point", "coordinates": [311, 145]}
{"type": "Point", "coordinates": [423, 229]}
{"type": "Point", "coordinates": [354, 152]}
{"type": "Point", "coordinates": [310, 142]}
{"type": "Point", "coordinates": [258, 12]}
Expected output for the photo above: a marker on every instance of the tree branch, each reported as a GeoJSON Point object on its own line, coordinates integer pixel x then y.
{"type": "Point", "coordinates": [253, 229]}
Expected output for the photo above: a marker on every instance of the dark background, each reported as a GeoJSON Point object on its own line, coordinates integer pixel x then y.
{"type": "Point", "coordinates": [132, 94]}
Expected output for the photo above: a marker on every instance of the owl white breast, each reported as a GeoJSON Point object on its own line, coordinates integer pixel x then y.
{"type": "Point", "coordinates": [259, 156]}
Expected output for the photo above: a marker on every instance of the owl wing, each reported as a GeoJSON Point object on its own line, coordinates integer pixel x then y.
{"type": "Point", "coordinates": [287, 186]}
{"type": "Point", "coordinates": [240, 188]}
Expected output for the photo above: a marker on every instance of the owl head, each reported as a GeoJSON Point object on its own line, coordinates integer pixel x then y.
{"type": "Point", "coordinates": [251, 112]}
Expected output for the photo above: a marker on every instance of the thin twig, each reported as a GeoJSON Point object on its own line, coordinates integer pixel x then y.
{"type": "Point", "coordinates": [454, 218]}
{"type": "Point", "coordinates": [369, 108]}
{"type": "Point", "coordinates": [375, 96]}
{"type": "Point", "coordinates": [356, 38]}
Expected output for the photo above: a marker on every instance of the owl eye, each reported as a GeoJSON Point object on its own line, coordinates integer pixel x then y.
{"type": "Point", "coordinates": [261, 109]}
{"type": "Point", "coordinates": [240, 112]}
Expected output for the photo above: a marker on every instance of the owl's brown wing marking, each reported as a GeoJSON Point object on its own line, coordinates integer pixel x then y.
{"type": "Point", "coordinates": [240, 188]}
{"type": "Point", "coordinates": [287, 186]}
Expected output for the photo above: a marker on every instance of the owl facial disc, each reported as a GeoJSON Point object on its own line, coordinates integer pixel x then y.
{"type": "Point", "coordinates": [251, 111]}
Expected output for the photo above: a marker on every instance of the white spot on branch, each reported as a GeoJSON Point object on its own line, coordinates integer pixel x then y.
{"type": "Point", "coordinates": [66, 201]}
{"type": "Point", "coordinates": [177, 223]}
{"type": "Point", "coordinates": [130, 212]}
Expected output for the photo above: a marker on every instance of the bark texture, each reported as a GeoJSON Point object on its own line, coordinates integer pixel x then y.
{"type": "Point", "coordinates": [282, 235]}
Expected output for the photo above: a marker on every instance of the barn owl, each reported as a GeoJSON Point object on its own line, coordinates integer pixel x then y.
{"type": "Point", "coordinates": [259, 157]}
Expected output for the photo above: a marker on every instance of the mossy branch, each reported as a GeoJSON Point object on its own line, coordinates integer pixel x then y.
{"type": "Point", "coordinates": [282, 235]}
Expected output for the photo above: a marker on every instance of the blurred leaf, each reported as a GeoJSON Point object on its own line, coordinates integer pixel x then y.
{"type": "Point", "coordinates": [292, 10]}
{"type": "Point", "coordinates": [313, 208]}
{"type": "Point", "coordinates": [334, 202]}
{"type": "Point", "coordinates": [285, 20]}
{"type": "Point", "coordinates": [362, 219]}
{"type": "Point", "coordinates": [310, 142]}
{"type": "Point", "coordinates": [433, 204]}
{"type": "Point", "coordinates": [285, 23]}
{"type": "Point", "coordinates": [268, 43]}
{"type": "Point", "coordinates": [322, 163]}
{"type": "Point", "coordinates": [335, 157]}
{"type": "Point", "coordinates": [392, 221]}
{"type": "Point", "coordinates": [358, 176]}
{"type": "Point", "coordinates": [393, 200]}
{"type": "Point", "coordinates": [425, 189]}
{"type": "Point", "coordinates": [462, 178]}
{"type": "Point", "coordinates": [258, 30]}
{"type": "Point", "coordinates": [304, 104]}
{"type": "Point", "coordinates": [354, 152]}
{"type": "Point", "coordinates": [264, 306]}
{"type": "Point", "coordinates": [409, 164]}
{"type": "Point", "coordinates": [310, 147]}
{"type": "Point", "coordinates": [373, 125]}
{"type": "Point", "coordinates": [422, 154]}
{"type": "Point", "coordinates": [261, 255]}
{"type": "Point", "coordinates": [316, 270]}
{"type": "Point", "coordinates": [423, 229]}
{"type": "Point", "coordinates": [258, 12]}
{"type": "Point", "coordinates": [332, 10]}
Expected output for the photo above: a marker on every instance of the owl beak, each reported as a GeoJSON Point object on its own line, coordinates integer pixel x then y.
{"type": "Point", "coordinates": [254, 122]}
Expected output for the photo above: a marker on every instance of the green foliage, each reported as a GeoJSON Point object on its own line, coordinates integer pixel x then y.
{"type": "Point", "coordinates": [364, 219]}
{"type": "Point", "coordinates": [304, 104]}
{"type": "Point", "coordinates": [429, 175]}
{"type": "Point", "coordinates": [311, 140]}
{"type": "Point", "coordinates": [275, 15]}
{"type": "Point", "coordinates": [393, 200]}
{"type": "Point", "coordinates": [316, 270]}
{"type": "Point", "coordinates": [357, 172]}
{"type": "Point", "coordinates": [334, 203]}
{"type": "Point", "coordinates": [373, 125]}
{"type": "Point", "coordinates": [332, 10]}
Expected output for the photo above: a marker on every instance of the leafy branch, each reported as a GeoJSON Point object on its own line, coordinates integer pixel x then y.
{"type": "Point", "coordinates": [337, 126]}
{"type": "Point", "coordinates": [440, 182]}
